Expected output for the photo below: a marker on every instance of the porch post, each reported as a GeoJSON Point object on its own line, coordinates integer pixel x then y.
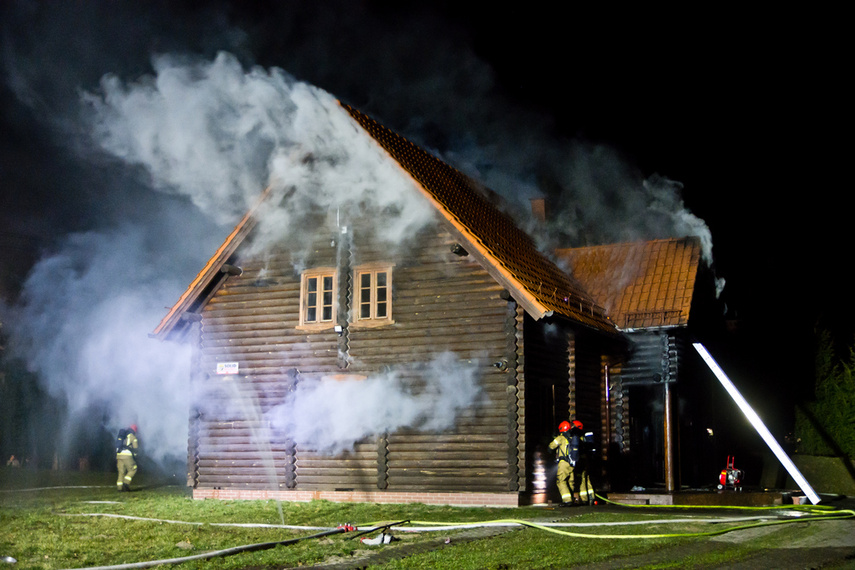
{"type": "Point", "coordinates": [670, 479]}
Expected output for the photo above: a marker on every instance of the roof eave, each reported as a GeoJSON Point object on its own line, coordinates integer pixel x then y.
{"type": "Point", "coordinates": [211, 271]}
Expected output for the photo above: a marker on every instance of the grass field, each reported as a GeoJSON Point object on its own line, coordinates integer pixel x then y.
{"type": "Point", "coordinates": [77, 520]}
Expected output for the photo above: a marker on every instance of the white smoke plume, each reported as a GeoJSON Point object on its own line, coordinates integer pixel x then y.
{"type": "Point", "coordinates": [219, 134]}
{"type": "Point", "coordinates": [331, 415]}
{"type": "Point", "coordinates": [212, 133]}
{"type": "Point", "coordinates": [83, 324]}
{"type": "Point", "coordinates": [207, 134]}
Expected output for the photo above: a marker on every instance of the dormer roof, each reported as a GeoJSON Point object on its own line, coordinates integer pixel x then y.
{"type": "Point", "coordinates": [646, 284]}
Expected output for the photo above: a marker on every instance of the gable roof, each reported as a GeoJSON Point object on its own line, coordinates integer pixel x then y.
{"type": "Point", "coordinates": [506, 252]}
{"type": "Point", "coordinates": [490, 236]}
{"type": "Point", "coordinates": [641, 284]}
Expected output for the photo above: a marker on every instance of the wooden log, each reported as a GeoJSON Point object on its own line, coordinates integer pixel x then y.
{"type": "Point", "coordinates": [333, 480]}
{"type": "Point", "coordinates": [321, 464]}
{"type": "Point", "coordinates": [479, 449]}
{"type": "Point", "coordinates": [420, 463]}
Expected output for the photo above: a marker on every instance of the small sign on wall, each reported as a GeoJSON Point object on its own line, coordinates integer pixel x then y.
{"type": "Point", "coordinates": [227, 368]}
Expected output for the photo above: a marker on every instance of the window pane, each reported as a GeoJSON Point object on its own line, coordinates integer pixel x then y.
{"type": "Point", "coordinates": [311, 315]}
{"type": "Point", "coordinates": [312, 284]}
{"type": "Point", "coordinates": [328, 302]}
{"type": "Point", "coordinates": [382, 304]}
{"type": "Point", "coordinates": [365, 280]}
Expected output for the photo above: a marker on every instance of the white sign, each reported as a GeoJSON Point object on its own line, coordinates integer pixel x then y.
{"type": "Point", "coordinates": [227, 367]}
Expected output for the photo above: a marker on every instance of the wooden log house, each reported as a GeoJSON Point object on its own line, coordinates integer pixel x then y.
{"type": "Point", "coordinates": [472, 284]}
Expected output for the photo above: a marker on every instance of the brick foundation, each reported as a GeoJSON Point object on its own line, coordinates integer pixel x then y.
{"type": "Point", "coordinates": [451, 499]}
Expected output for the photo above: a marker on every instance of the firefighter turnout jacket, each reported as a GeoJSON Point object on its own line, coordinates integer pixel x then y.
{"type": "Point", "coordinates": [126, 462]}
{"type": "Point", "coordinates": [572, 466]}
{"type": "Point", "coordinates": [569, 449]}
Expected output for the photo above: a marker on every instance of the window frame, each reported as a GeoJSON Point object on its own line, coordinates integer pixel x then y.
{"type": "Point", "coordinates": [319, 273]}
{"type": "Point", "coordinates": [373, 320]}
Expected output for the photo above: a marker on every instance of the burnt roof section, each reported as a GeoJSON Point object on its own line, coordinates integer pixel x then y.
{"type": "Point", "coordinates": [642, 284]}
{"type": "Point", "coordinates": [507, 252]}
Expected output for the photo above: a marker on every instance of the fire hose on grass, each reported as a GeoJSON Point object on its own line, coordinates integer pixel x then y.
{"type": "Point", "coordinates": [220, 553]}
{"type": "Point", "coordinates": [812, 513]}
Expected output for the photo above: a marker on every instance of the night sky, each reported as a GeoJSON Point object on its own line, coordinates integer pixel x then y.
{"type": "Point", "coordinates": [749, 111]}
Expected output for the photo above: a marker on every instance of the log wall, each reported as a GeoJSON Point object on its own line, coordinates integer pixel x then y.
{"type": "Point", "coordinates": [440, 302]}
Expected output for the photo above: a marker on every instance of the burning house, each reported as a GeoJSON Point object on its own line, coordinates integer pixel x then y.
{"type": "Point", "coordinates": [474, 340]}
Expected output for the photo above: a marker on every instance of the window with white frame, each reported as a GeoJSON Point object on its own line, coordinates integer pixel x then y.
{"type": "Point", "coordinates": [373, 295]}
{"type": "Point", "coordinates": [318, 298]}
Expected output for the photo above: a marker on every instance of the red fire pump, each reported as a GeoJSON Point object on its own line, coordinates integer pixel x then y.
{"type": "Point", "coordinates": [731, 476]}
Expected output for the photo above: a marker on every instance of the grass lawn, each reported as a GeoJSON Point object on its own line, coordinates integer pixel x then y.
{"type": "Point", "coordinates": [62, 520]}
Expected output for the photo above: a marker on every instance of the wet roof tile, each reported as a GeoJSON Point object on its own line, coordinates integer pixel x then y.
{"type": "Point", "coordinates": [640, 284]}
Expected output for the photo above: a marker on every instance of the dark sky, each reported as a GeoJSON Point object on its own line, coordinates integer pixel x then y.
{"type": "Point", "coordinates": [747, 110]}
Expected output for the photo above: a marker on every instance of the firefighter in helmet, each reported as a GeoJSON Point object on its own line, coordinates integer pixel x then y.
{"type": "Point", "coordinates": [571, 447]}
{"type": "Point", "coordinates": [127, 445]}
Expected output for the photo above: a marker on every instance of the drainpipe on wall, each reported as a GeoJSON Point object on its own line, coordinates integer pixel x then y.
{"type": "Point", "coordinates": [344, 250]}
{"type": "Point", "coordinates": [670, 479]}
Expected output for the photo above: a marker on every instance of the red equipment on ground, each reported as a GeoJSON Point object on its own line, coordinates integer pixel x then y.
{"type": "Point", "coordinates": [731, 476]}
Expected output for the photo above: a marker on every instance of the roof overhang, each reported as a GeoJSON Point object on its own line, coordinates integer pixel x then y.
{"type": "Point", "coordinates": [212, 273]}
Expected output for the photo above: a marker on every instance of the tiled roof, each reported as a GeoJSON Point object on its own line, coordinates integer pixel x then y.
{"type": "Point", "coordinates": [509, 253]}
{"type": "Point", "coordinates": [642, 284]}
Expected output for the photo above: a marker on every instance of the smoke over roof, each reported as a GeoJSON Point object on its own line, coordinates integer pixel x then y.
{"type": "Point", "coordinates": [161, 127]}
{"type": "Point", "coordinates": [217, 134]}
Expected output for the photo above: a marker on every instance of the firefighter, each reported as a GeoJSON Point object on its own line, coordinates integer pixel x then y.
{"type": "Point", "coordinates": [127, 445]}
{"type": "Point", "coordinates": [571, 444]}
